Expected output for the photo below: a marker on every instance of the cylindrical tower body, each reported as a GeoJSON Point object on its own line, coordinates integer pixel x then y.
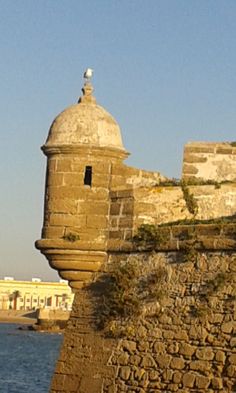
{"type": "Point", "coordinates": [83, 144]}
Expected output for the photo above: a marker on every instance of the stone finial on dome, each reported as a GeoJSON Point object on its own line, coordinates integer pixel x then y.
{"type": "Point", "coordinates": [87, 96]}
{"type": "Point", "coordinates": [87, 90]}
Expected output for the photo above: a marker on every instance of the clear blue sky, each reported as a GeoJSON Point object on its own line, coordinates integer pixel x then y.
{"type": "Point", "coordinates": [165, 69]}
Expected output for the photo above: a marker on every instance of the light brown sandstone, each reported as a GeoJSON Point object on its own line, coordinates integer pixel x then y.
{"type": "Point", "coordinates": [173, 350]}
{"type": "Point", "coordinates": [188, 380]}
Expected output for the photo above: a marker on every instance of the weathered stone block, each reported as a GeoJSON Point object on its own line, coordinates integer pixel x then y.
{"type": "Point", "coordinates": [198, 332]}
{"type": "Point", "coordinates": [117, 182]}
{"type": "Point", "coordinates": [94, 208]}
{"type": "Point", "coordinates": [73, 179]}
{"type": "Point", "coordinates": [220, 356]}
{"type": "Point", "coordinates": [96, 221]}
{"type": "Point", "coordinates": [139, 373]}
{"type": "Point", "coordinates": [190, 169]}
{"type": "Point", "coordinates": [173, 347]}
{"type": "Point", "coordinates": [224, 150]}
{"type": "Point", "coordinates": [173, 387]}
{"type": "Point", "coordinates": [125, 372]}
{"type": "Point", "coordinates": [159, 347]}
{"type": "Point", "coordinates": [232, 359]}
{"type": "Point", "coordinates": [191, 158]}
{"type": "Point", "coordinates": [62, 192]}
{"type": "Point", "coordinates": [58, 382]}
{"type": "Point", "coordinates": [89, 384]}
{"type": "Point", "coordinates": [60, 219]}
{"type": "Point", "coordinates": [186, 349]}
{"type": "Point", "coordinates": [144, 208]}
{"type": "Point", "coordinates": [125, 222]}
{"type": "Point", "coordinates": [217, 318]}
{"type": "Point", "coordinates": [202, 382]}
{"type": "Point", "coordinates": [91, 234]}
{"type": "Point", "coordinates": [200, 365]}
{"type": "Point", "coordinates": [200, 147]}
{"type": "Point", "coordinates": [55, 179]}
{"type": "Point", "coordinates": [135, 359]}
{"type": "Point", "coordinates": [51, 232]}
{"type": "Point", "coordinates": [188, 380]}
{"type": "Point", "coordinates": [78, 166]}
{"type": "Point", "coordinates": [167, 375]}
{"type": "Point", "coordinates": [129, 345]}
{"type": "Point", "coordinates": [96, 194]}
{"type": "Point", "coordinates": [231, 371]}
{"type": "Point", "coordinates": [127, 208]}
{"type": "Point", "coordinates": [217, 383]}
{"type": "Point", "coordinates": [164, 319]}
{"type": "Point", "coordinates": [154, 375]}
{"type": "Point", "coordinates": [100, 180]}
{"type": "Point", "coordinates": [168, 334]}
{"type": "Point", "coordinates": [148, 361]}
{"type": "Point", "coordinates": [51, 165]}
{"type": "Point", "coordinates": [228, 327]}
{"type": "Point", "coordinates": [114, 234]}
{"type": "Point", "coordinates": [233, 342]}
{"type": "Point", "coordinates": [177, 377]}
{"type": "Point", "coordinates": [181, 335]}
{"type": "Point", "coordinates": [66, 205]}
{"type": "Point", "coordinates": [124, 170]}
{"type": "Point", "coordinates": [102, 167]}
{"type": "Point", "coordinates": [205, 353]}
{"type": "Point", "coordinates": [143, 346]}
{"type": "Point", "coordinates": [163, 360]}
{"type": "Point", "coordinates": [113, 223]}
{"type": "Point", "coordinates": [64, 165]}
{"type": "Point", "coordinates": [177, 363]}
{"type": "Point", "coordinates": [115, 209]}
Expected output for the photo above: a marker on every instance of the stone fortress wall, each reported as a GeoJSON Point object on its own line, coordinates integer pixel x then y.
{"type": "Point", "coordinates": [210, 161]}
{"type": "Point", "coordinates": [94, 206]}
{"type": "Point", "coordinates": [172, 351]}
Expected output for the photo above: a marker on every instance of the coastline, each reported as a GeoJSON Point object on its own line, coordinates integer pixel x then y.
{"type": "Point", "coordinates": [18, 317]}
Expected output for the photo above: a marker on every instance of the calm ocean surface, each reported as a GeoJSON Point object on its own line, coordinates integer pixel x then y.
{"type": "Point", "coordinates": [27, 359]}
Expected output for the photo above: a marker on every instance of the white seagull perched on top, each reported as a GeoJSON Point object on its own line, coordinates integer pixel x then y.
{"type": "Point", "coordinates": [88, 74]}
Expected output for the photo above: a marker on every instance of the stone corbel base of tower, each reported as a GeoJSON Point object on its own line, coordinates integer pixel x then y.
{"type": "Point", "coordinates": [76, 266]}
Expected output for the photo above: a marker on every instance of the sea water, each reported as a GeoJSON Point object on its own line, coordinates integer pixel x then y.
{"type": "Point", "coordinates": [27, 359]}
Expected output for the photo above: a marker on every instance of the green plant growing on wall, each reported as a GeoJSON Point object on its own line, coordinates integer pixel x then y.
{"type": "Point", "coordinates": [189, 199]}
{"type": "Point", "coordinates": [209, 289]}
{"type": "Point", "coordinates": [199, 311]}
{"type": "Point", "coordinates": [148, 237]}
{"type": "Point", "coordinates": [129, 291]}
{"type": "Point", "coordinates": [71, 237]}
{"type": "Point", "coordinates": [190, 252]}
{"type": "Point", "coordinates": [214, 285]}
{"type": "Point", "coordinates": [191, 246]}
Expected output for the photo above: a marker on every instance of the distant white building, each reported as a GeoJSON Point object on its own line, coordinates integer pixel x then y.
{"type": "Point", "coordinates": [31, 295]}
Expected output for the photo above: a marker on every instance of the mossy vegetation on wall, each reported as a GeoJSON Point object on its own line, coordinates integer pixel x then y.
{"type": "Point", "coordinates": [133, 291]}
{"type": "Point", "coordinates": [137, 288]}
{"type": "Point", "coordinates": [149, 237]}
{"type": "Point", "coordinates": [187, 343]}
{"type": "Point", "coordinates": [190, 201]}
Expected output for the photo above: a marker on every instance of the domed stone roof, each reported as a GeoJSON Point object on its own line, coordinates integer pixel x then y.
{"type": "Point", "coordinates": [87, 124]}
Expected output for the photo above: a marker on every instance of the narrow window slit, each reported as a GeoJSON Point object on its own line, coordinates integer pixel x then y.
{"type": "Point", "coordinates": [88, 176]}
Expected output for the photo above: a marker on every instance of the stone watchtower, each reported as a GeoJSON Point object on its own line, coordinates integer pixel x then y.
{"type": "Point", "coordinates": [181, 340]}
{"type": "Point", "coordinates": [83, 146]}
